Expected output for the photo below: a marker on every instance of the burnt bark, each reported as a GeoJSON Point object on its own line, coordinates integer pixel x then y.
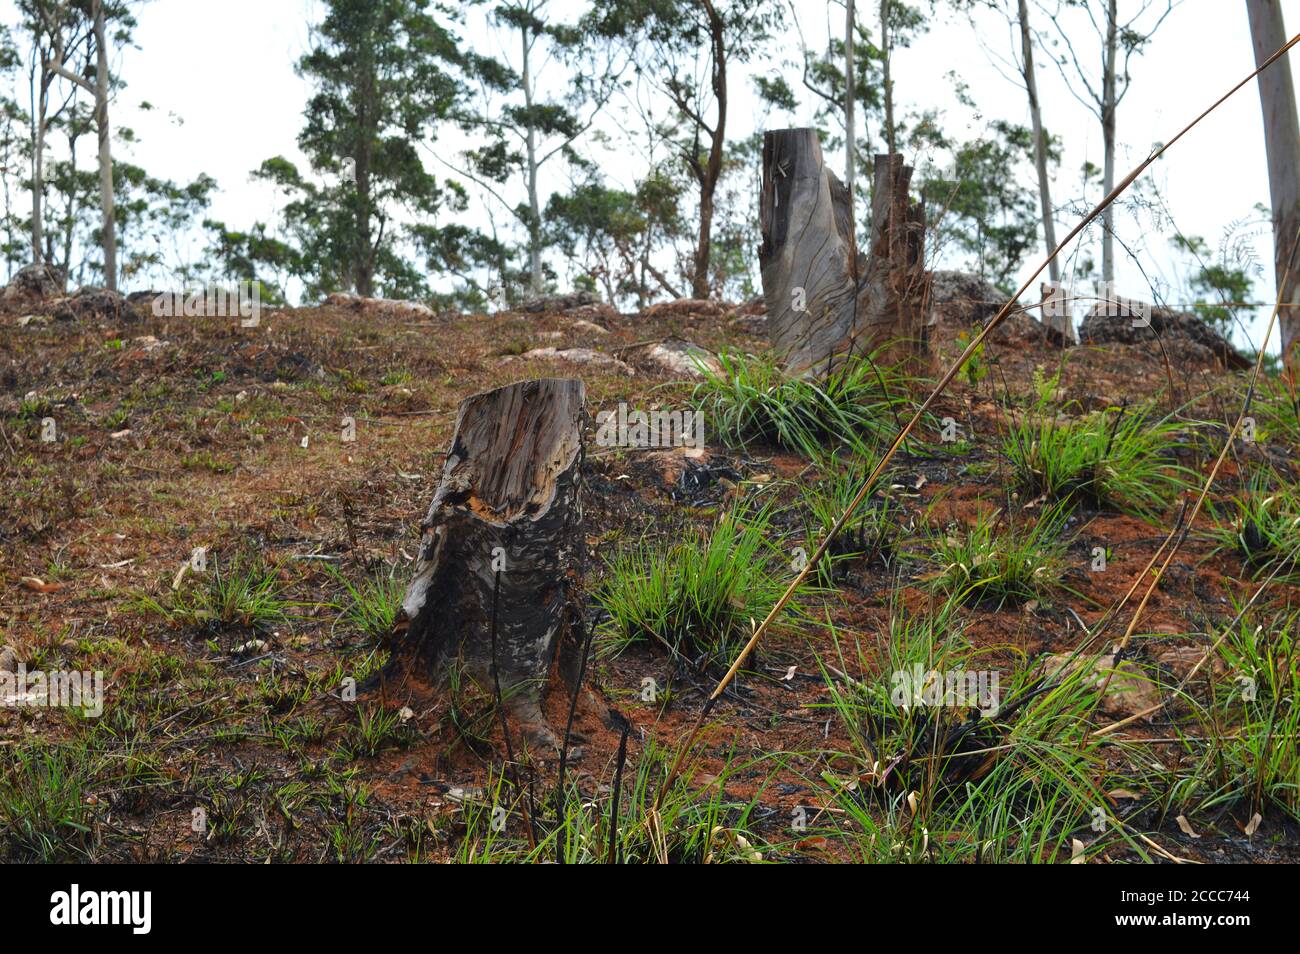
{"type": "Point", "coordinates": [826, 301]}
{"type": "Point", "coordinates": [501, 543]}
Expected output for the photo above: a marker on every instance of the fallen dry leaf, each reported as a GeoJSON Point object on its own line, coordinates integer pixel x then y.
{"type": "Point", "coordinates": [37, 585]}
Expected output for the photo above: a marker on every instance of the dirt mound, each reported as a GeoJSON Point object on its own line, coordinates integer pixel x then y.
{"type": "Point", "coordinates": [964, 298]}
{"type": "Point", "coordinates": [33, 283]}
{"type": "Point", "coordinates": [390, 306]}
{"type": "Point", "coordinates": [687, 308]}
{"type": "Point", "coordinates": [552, 303]}
{"type": "Point", "coordinates": [582, 307]}
{"type": "Point", "coordinates": [89, 302]}
{"type": "Point", "coordinates": [1180, 333]}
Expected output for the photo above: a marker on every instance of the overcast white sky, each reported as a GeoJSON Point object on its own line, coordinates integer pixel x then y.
{"type": "Point", "coordinates": [220, 76]}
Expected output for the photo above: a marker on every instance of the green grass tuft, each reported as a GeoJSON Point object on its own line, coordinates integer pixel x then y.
{"type": "Point", "coordinates": [751, 400]}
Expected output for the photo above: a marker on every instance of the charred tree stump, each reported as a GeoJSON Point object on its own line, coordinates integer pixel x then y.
{"type": "Point", "coordinates": [825, 300]}
{"type": "Point", "coordinates": [894, 300]}
{"type": "Point", "coordinates": [500, 542]}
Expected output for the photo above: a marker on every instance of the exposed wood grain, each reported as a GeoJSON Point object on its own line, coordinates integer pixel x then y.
{"type": "Point", "coordinates": [824, 299]}
{"type": "Point", "coordinates": [506, 513]}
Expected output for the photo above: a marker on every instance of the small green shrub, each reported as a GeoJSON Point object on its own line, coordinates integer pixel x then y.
{"type": "Point", "coordinates": [997, 560]}
{"type": "Point", "coordinates": [1121, 457]}
{"type": "Point", "coordinates": [749, 399]}
{"type": "Point", "coordinates": [700, 597]}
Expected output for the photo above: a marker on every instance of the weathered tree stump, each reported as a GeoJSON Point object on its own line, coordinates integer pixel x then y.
{"type": "Point", "coordinates": [824, 299]}
{"type": "Point", "coordinates": [501, 542]}
{"type": "Point", "coordinates": [894, 300]}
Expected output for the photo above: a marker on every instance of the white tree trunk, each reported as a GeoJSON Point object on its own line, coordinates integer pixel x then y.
{"type": "Point", "coordinates": [886, 82]}
{"type": "Point", "coordinates": [108, 231]}
{"type": "Point", "coordinates": [40, 109]}
{"type": "Point", "coordinates": [1282, 143]}
{"type": "Point", "coordinates": [1108, 140]}
{"type": "Point", "coordinates": [534, 203]}
{"type": "Point", "coordinates": [1040, 140]}
{"type": "Point", "coordinates": [850, 89]}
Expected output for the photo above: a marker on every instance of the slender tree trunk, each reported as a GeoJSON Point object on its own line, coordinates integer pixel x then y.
{"type": "Point", "coordinates": [363, 269]}
{"type": "Point", "coordinates": [850, 91]}
{"type": "Point", "coordinates": [40, 109]}
{"type": "Point", "coordinates": [712, 171]}
{"type": "Point", "coordinates": [108, 233]}
{"type": "Point", "coordinates": [1040, 140]}
{"type": "Point", "coordinates": [534, 204]}
{"type": "Point", "coordinates": [1108, 141]}
{"type": "Point", "coordinates": [1282, 143]}
{"type": "Point", "coordinates": [886, 82]}
{"type": "Point", "coordinates": [70, 224]}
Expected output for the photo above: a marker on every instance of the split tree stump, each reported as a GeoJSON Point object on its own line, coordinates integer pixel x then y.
{"type": "Point", "coordinates": [825, 300]}
{"type": "Point", "coordinates": [502, 536]}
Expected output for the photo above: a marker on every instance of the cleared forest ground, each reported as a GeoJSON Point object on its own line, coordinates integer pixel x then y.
{"type": "Point", "coordinates": [224, 687]}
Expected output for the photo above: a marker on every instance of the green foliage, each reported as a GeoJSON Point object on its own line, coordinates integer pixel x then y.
{"type": "Point", "coordinates": [610, 230]}
{"type": "Point", "coordinates": [870, 531]}
{"type": "Point", "coordinates": [247, 594]}
{"type": "Point", "coordinates": [380, 76]}
{"type": "Point", "coordinates": [941, 784]}
{"type": "Point", "coordinates": [981, 207]}
{"type": "Point", "coordinates": [372, 604]}
{"type": "Point", "coordinates": [698, 598]}
{"type": "Point", "coordinates": [998, 559]}
{"type": "Point", "coordinates": [749, 399]}
{"type": "Point", "coordinates": [1244, 751]}
{"type": "Point", "coordinates": [1120, 457]}
{"type": "Point", "coordinates": [1262, 526]}
{"type": "Point", "coordinates": [976, 369]}
{"type": "Point", "coordinates": [693, 823]}
{"type": "Point", "coordinates": [43, 812]}
{"type": "Point", "coordinates": [1221, 285]}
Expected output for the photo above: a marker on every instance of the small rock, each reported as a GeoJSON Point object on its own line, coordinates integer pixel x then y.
{"type": "Point", "coordinates": [8, 660]}
{"type": "Point", "coordinates": [1129, 692]}
{"type": "Point", "coordinates": [682, 358]}
{"type": "Point", "coordinates": [390, 305]}
{"type": "Point", "coordinates": [560, 302]}
{"type": "Point", "coordinates": [1180, 660]}
{"type": "Point", "coordinates": [588, 327]}
{"type": "Point", "coordinates": [576, 356]}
